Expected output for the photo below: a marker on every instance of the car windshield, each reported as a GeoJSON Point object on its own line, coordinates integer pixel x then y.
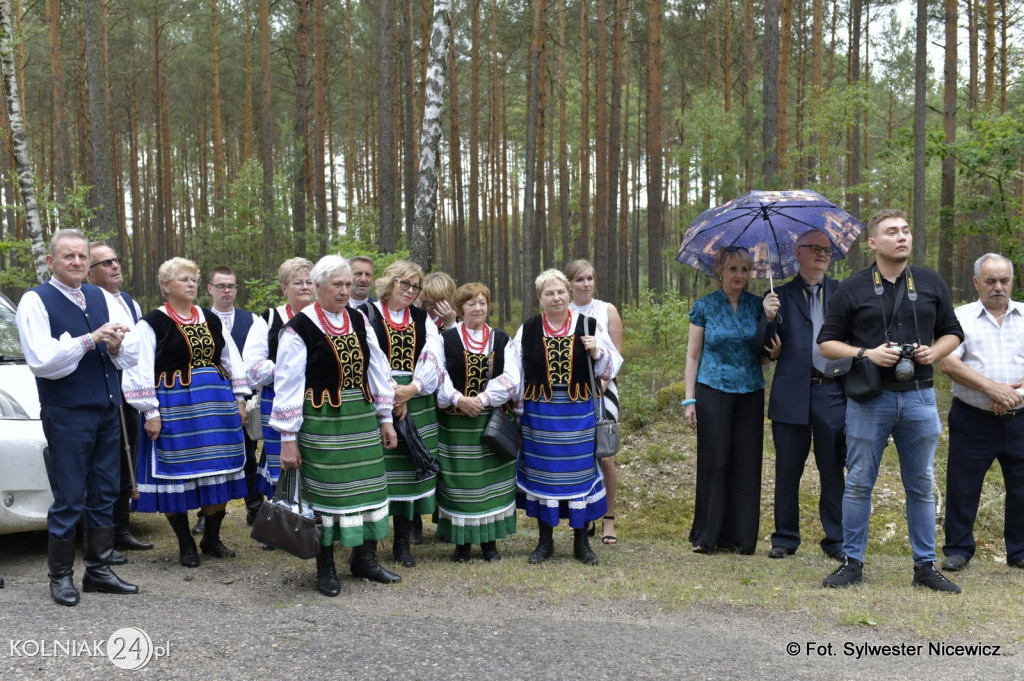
{"type": "Point", "coordinates": [10, 344]}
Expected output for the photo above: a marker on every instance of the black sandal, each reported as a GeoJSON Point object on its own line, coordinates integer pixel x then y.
{"type": "Point", "coordinates": [609, 539]}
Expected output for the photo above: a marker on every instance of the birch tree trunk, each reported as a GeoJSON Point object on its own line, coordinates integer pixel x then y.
{"type": "Point", "coordinates": [22, 161]}
{"type": "Point", "coordinates": [422, 246]}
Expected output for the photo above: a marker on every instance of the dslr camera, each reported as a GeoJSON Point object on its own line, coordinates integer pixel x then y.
{"type": "Point", "coordinates": [905, 366]}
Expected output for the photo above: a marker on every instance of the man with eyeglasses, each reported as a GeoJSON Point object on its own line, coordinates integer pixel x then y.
{"type": "Point", "coordinates": [899, 318]}
{"type": "Point", "coordinates": [362, 280]}
{"type": "Point", "coordinates": [76, 350]}
{"type": "Point", "coordinates": [105, 272]}
{"type": "Point", "coordinates": [805, 404]}
{"type": "Point", "coordinates": [223, 288]}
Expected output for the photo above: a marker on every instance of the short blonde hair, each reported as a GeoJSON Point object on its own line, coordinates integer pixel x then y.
{"type": "Point", "coordinates": [170, 268]}
{"type": "Point", "coordinates": [438, 286]}
{"type": "Point", "coordinates": [468, 292]}
{"type": "Point", "coordinates": [291, 267]}
{"type": "Point", "coordinates": [741, 255]}
{"type": "Point", "coordinates": [547, 275]}
{"type": "Point", "coordinates": [395, 272]}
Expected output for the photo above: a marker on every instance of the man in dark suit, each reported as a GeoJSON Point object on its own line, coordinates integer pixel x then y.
{"type": "Point", "coordinates": [805, 404]}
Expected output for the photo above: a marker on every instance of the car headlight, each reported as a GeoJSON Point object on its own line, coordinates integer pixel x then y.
{"type": "Point", "coordinates": [10, 408]}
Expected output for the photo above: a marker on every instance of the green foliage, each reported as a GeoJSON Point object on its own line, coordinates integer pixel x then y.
{"type": "Point", "coordinates": [74, 212]}
{"type": "Point", "coordinates": [16, 251]}
{"type": "Point", "coordinates": [655, 336]}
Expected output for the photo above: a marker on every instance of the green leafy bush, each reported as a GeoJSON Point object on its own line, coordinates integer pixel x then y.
{"type": "Point", "coordinates": [655, 336]}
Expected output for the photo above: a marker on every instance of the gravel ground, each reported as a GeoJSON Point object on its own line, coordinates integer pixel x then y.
{"type": "Point", "coordinates": [230, 620]}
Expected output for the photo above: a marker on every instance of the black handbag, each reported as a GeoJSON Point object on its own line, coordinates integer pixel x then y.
{"type": "Point", "coordinates": [606, 430]}
{"type": "Point", "coordinates": [281, 527]}
{"type": "Point", "coordinates": [501, 434]}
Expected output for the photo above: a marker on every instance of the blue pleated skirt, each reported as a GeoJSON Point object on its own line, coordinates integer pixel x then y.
{"type": "Point", "coordinates": [557, 474]}
{"type": "Point", "coordinates": [269, 469]}
{"type": "Point", "coordinates": [199, 458]}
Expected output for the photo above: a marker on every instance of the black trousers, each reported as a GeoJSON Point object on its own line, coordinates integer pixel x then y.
{"type": "Point", "coordinates": [730, 435]}
{"type": "Point", "coordinates": [253, 497]}
{"type": "Point", "coordinates": [976, 440]}
{"type": "Point", "coordinates": [827, 428]}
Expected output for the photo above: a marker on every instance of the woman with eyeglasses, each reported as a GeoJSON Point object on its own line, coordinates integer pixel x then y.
{"type": "Point", "coordinates": [190, 386]}
{"type": "Point", "coordinates": [723, 374]}
{"type": "Point", "coordinates": [413, 348]}
{"type": "Point", "coordinates": [260, 358]}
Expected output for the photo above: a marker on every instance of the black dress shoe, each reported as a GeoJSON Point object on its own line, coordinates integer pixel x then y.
{"type": "Point", "coordinates": [955, 563]}
{"type": "Point", "coordinates": [1019, 564]}
{"type": "Point", "coordinates": [125, 541]}
{"type": "Point", "coordinates": [779, 552]}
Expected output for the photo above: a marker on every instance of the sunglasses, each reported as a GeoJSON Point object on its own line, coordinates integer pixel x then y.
{"type": "Point", "coordinates": [105, 263]}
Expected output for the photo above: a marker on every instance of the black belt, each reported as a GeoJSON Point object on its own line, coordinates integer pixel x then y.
{"type": "Point", "coordinates": [821, 380]}
{"type": "Point", "coordinates": [1002, 417]}
{"type": "Point", "coordinates": [907, 386]}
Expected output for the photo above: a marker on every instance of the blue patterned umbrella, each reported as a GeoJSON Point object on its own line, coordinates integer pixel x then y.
{"type": "Point", "coordinates": [767, 223]}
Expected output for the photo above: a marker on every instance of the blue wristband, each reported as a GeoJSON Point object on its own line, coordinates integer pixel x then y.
{"type": "Point", "coordinates": [687, 403]}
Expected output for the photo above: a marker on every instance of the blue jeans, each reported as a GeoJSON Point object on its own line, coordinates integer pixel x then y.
{"type": "Point", "coordinates": [913, 421]}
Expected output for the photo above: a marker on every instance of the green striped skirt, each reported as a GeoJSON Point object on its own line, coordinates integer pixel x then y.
{"type": "Point", "coordinates": [409, 496]}
{"type": "Point", "coordinates": [476, 488]}
{"type": "Point", "coordinates": [343, 463]}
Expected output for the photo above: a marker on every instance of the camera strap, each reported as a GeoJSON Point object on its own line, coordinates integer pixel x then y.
{"type": "Point", "coordinates": [911, 289]}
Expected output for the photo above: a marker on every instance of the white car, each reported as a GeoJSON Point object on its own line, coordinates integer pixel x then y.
{"type": "Point", "coordinates": [25, 495]}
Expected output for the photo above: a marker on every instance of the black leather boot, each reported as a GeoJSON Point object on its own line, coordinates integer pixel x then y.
{"type": "Point", "coordinates": [200, 526]}
{"type": "Point", "coordinates": [60, 558]}
{"type": "Point", "coordinates": [461, 553]}
{"type": "Point", "coordinates": [400, 548]}
{"type": "Point", "coordinates": [123, 539]}
{"type": "Point", "coordinates": [210, 543]}
{"type": "Point", "coordinates": [581, 547]}
{"type": "Point", "coordinates": [364, 565]}
{"type": "Point", "coordinates": [187, 553]}
{"type": "Point", "coordinates": [252, 509]}
{"type": "Point", "coordinates": [546, 544]}
{"type": "Point", "coordinates": [416, 530]}
{"type": "Point", "coordinates": [490, 551]}
{"type": "Point", "coordinates": [117, 558]}
{"type": "Point", "coordinates": [97, 545]}
{"type": "Point", "coordinates": [326, 575]}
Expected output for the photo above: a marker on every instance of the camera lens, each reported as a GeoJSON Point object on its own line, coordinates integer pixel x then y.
{"type": "Point", "coordinates": [904, 370]}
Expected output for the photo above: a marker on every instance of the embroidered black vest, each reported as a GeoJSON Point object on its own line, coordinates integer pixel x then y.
{"type": "Point", "coordinates": [273, 319]}
{"type": "Point", "coordinates": [468, 370]}
{"type": "Point", "coordinates": [180, 348]}
{"type": "Point", "coordinates": [553, 361]}
{"type": "Point", "coordinates": [402, 348]}
{"type": "Point", "coordinates": [334, 363]}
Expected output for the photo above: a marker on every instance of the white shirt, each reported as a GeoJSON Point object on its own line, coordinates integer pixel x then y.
{"type": "Point", "coordinates": [139, 383]}
{"type": "Point", "coordinates": [499, 390]}
{"type": "Point", "coordinates": [124, 315]}
{"type": "Point", "coordinates": [54, 358]}
{"type": "Point", "coordinates": [290, 377]}
{"type": "Point", "coordinates": [995, 351]}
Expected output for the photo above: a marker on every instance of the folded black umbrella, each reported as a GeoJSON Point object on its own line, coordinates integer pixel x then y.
{"type": "Point", "coordinates": [426, 464]}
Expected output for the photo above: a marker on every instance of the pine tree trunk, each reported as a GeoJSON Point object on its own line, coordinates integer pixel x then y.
{"type": "Point", "coordinates": [103, 199]}
{"type": "Point", "coordinates": [300, 143]}
{"type": "Point", "coordinates": [386, 162]}
{"type": "Point", "coordinates": [422, 246]}
{"type": "Point", "coordinates": [920, 109]}
{"type": "Point", "coordinates": [408, 137]}
{"type": "Point", "coordinates": [61, 145]}
{"type": "Point", "coordinates": [582, 247]}
{"type": "Point", "coordinates": [770, 98]}
{"type": "Point", "coordinates": [947, 217]}
{"type": "Point", "coordinates": [655, 239]}
{"type": "Point", "coordinates": [266, 141]}
{"type": "Point", "coordinates": [323, 227]}
{"type": "Point", "coordinates": [461, 238]}
{"type": "Point", "coordinates": [530, 236]}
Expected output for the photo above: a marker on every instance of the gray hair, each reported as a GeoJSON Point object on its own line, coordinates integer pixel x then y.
{"type": "Point", "coordinates": [62, 234]}
{"type": "Point", "coordinates": [327, 267]}
{"type": "Point", "coordinates": [547, 276]}
{"type": "Point", "coordinates": [980, 262]}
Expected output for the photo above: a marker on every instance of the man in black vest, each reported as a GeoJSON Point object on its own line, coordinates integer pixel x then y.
{"type": "Point", "coordinates": [105, 272]}
{"type": "Point", "coordinates": [75, 353]}
{"type": "Point", "coordinates": [222, 289]}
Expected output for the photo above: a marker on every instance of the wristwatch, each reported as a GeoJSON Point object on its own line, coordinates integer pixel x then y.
{"type": "Point", "coordinates": [861, 352]}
